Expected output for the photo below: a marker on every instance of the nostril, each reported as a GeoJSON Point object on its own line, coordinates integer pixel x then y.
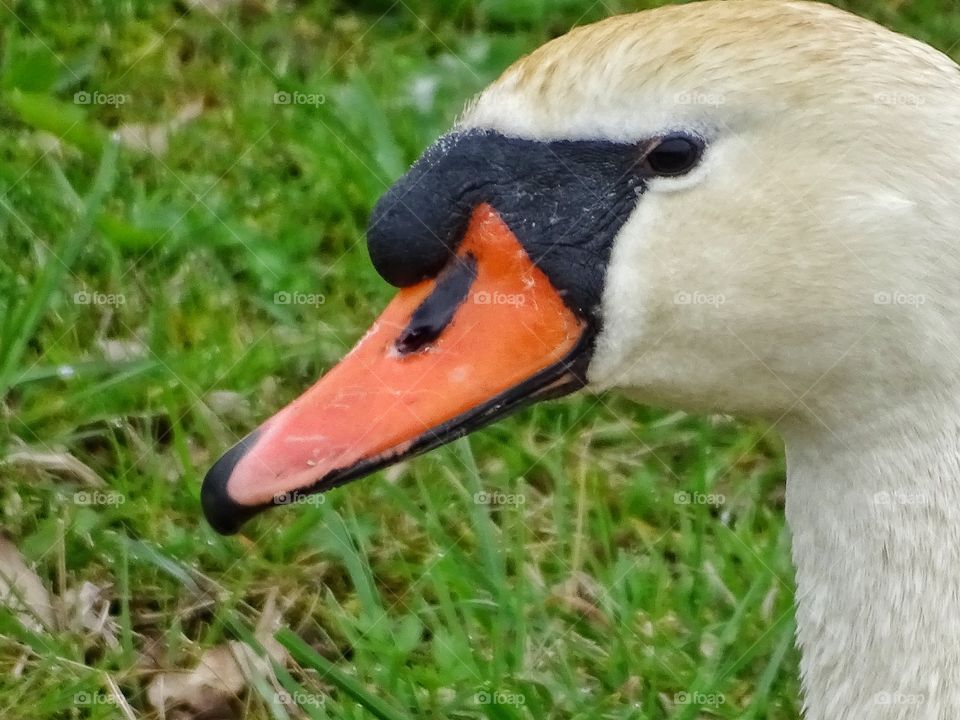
{"type": "Point", "coordinates": [439, 307]}
{"type": "Point", "coordinates": [414, 337]}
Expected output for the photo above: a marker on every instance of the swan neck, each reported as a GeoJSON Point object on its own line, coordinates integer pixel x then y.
{"type": "Point", "coordinates": [874, 511]}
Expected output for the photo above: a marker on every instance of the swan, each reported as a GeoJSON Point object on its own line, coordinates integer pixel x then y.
{"type": "Point", "coordinates": [749, 207]}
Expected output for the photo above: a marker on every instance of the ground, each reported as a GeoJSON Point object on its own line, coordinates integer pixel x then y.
{"type": "Point", "coordinates": [183, 192]}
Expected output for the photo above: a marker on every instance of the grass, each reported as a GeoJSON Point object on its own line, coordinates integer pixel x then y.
{"type": "Point", "coordinates": [639, 567]}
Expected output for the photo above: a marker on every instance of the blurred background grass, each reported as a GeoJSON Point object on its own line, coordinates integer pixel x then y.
{"type": "Point", "coordinates": [168, 170]}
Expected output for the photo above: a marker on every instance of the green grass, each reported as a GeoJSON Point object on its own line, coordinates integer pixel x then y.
{"type": "Point", "coordinates": [602, 595]}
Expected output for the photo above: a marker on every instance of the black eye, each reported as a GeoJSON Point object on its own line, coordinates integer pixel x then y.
{"type": "Point", "coordinates": [674, 155]}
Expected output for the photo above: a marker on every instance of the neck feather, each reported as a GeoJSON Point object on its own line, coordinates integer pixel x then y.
{"type": "Point", "coordinates": [874, 510]}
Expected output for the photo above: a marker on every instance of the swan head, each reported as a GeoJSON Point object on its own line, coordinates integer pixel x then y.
{"type": "Point", "coordinates": [729, 206]}
{"type": "Point", "coordinates": [808, 252]}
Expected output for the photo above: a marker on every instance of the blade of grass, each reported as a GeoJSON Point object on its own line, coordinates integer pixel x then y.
{"type": "Point", "coordinates": [306, 655]}
{"type": "Point", "coordinates": [27, 319]}
{"type": "Point", "coordinates": [761, 696]}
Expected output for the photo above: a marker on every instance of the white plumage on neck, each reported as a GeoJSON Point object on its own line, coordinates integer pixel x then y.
{"type": "Point", "coordinates": [875, 520]}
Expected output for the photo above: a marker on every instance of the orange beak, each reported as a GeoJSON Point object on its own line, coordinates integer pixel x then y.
{"type": "Point", "coordinates": [489, 334]}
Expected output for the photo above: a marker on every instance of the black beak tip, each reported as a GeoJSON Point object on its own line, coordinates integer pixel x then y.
{"type": "Point", "coordinates": [224, 514]}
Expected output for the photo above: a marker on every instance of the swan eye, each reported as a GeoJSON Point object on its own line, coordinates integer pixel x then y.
{"type": "Point", "coordinates": [674, 155]}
